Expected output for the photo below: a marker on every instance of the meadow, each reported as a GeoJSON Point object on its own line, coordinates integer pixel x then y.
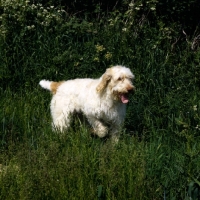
{"type": "Point", "coordinates": [157, 156]}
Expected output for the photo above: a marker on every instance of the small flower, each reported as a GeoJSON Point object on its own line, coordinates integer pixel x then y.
{"type": "Point", "coordinates": [197, 127]}
{"type": "Point", "coordinates": [124, 29]}
{"type": "Point", "coordinates": [30, 27]}
{"type": "Point", "coordinates": [195, 107]}
{"type": "Point", "coordinates": [154, 46]}
{"type": "Point", "coordinates": [153, 8]}
{"type": "Point", "coordinates": [131, 5]}
{"type": "Point", "coordinates": [96, 59]}
{"type": "Point", "coordinates": [76, 64]}
{"type": "Point", "coordinates": [3, 32]}
{"type": "Point", "coordinates": [33, 6]}
{"type": "Point", "coordinates": [99, 48]}
{"type": "Point", "coordinates": [108, 56]}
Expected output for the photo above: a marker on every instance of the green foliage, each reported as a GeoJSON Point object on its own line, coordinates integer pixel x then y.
{"type": "Point", "coordinates": [158, 154]}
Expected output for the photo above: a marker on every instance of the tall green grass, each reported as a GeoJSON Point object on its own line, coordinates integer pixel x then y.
{"type": "Point", "coordinates": [157, 156]}
{"type": "Point", "coordinates": [157, 160]}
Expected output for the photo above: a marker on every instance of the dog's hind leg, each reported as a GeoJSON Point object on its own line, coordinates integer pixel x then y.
{"type": "Point", "coordinates": [62, 122]}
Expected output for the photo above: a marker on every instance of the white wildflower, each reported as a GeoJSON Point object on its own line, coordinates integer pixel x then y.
{"type": "Point", "coordinates": [33, 6]}
{"type": "Point", "coordinates": [195, 107]}
{"type": "Point", "coordinates": [153, 8]}
{"type": "Point", "coordinates": [131, 5]}
{"type": "Point", "coordinates": [154, 46]}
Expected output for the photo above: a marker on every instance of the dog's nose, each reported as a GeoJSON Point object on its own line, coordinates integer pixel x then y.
{"type": "Point", "coordinates": [130, 88]}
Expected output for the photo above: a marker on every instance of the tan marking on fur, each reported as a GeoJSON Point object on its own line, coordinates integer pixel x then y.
{"type": "Point", "coordinates": [54, 86]}
{"type": "Point", "coordinates": [104, 82]}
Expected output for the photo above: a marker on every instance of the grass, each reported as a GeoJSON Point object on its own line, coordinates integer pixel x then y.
{"type": "Point", "coordinates": [157, 156]}
{"type": "Point", "coordinates": [41, 164]}
{"type": "Point", "coordinates": [37, 163]}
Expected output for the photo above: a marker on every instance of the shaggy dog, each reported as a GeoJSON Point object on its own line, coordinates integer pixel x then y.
{"type": "Point", "coordinates": [103, 101]}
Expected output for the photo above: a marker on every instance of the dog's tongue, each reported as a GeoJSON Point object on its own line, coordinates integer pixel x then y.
{"type": "Point", "coordinates": [124, 98]}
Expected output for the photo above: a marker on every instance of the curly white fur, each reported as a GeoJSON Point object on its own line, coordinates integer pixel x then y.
{"type": "Point", "coordinates": [102, 101]}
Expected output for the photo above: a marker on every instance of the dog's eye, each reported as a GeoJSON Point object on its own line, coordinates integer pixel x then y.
{"type": "Point", "coordinates": [130, 79]}
{"type": "Point", "coordinates": [119, 79]}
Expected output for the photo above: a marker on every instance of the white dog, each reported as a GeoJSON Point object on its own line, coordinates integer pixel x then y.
{"type": "Point", "coordinates": [103, 101]}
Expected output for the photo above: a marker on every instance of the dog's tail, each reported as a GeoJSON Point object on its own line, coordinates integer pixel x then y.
{"type": "Point", "coordinates": [45, 84]}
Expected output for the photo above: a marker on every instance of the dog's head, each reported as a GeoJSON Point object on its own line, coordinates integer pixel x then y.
{"type": "Point", "coordinates": [118, 80]}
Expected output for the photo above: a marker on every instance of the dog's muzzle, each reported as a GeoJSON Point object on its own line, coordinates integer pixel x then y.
{"type": "Point", "coordinates": [124, 97]}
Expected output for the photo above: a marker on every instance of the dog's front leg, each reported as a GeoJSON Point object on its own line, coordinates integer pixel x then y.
{"type": "Point", "coordinates": [115, 133]}
{"type": "Point", "coordinates": [99, 128]}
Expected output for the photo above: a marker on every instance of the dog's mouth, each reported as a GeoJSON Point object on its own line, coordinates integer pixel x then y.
{"type": "Point", "coordinates": [124, 98]}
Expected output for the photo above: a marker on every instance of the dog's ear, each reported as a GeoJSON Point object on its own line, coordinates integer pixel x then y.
{"type": "Point", "coordinates": [104, 81]}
